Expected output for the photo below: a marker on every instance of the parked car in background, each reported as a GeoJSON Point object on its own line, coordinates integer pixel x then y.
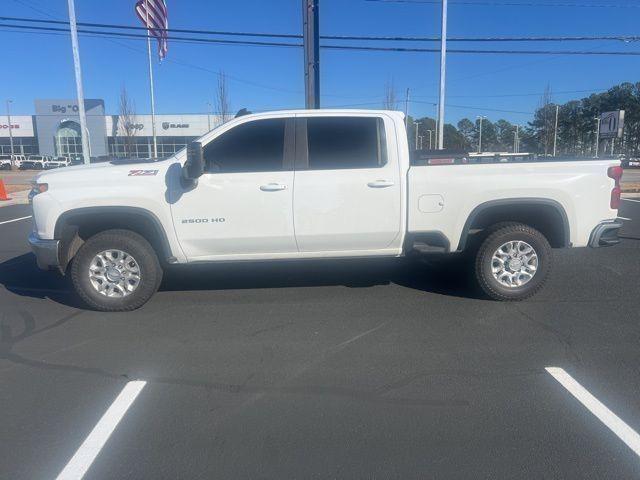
{"type": "Point", "coordinates": [35, 162]}
{"type": "Point", "coordinates": [5, 162]}
{"type": "Point", "coordinates": [633, 162]}
{"type": "Point", "coordinates": [57, 162]}
{"type": "Point", "coordinates": [18, 159]}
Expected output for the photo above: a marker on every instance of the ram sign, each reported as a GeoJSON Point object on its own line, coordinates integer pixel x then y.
{"type": "Point", "coordinates": [612, 124]}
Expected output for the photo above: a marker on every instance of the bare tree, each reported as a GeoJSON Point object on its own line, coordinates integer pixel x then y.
{"type": "Point", "coordinates": [390, 101]}
{"type": "Point", "coordinates": [546, 120]}
{"type": "Point", "coordinates": [222, 102]}
{"type": "Point", "coordinates": [128, 122]}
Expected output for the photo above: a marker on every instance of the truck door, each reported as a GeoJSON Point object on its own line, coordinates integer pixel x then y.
{"type": "Point", "coordinates": [347, 194]}
{"type": "Point", "coordinates": [243, 204]}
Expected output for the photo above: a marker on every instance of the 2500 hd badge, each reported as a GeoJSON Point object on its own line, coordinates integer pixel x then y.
{"type": "Point", "coordinates": [204, 220]}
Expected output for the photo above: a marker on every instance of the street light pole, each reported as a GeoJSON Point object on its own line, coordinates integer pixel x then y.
{"type": "Point", "coordinates": [597, 145]}
{"type": "Point", "coordinates": [430, 139]}
{"type": "Point", "coordinates": [406, 109]}
{"type": "Point", "coordinates": [555, 132]}
{"type": "Point", "coordinates": [76, 63]}
{"type": "Point", "coordinates": [209, 109]}
{"type": "Point", "coordinates": [516, 140]}
{"type": "Point", "coordinates": [10, 133]}
{"type": "Point", "coordinates": [443, 75]}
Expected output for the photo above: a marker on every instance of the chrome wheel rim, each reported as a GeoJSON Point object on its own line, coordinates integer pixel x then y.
{"type": "Point", "coordinates": [514, 264]}
{"type": "Point", "coordinates": [114, 273]}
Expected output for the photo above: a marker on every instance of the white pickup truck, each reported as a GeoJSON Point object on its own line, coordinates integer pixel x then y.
{"type": "Point", "coordinates": [315, 184]}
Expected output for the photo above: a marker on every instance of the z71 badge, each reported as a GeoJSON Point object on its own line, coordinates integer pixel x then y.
{"type": "Point", "coordinates": [142, 173]}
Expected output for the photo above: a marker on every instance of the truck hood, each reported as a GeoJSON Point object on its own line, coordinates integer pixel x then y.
{"type": "Point", "coordinates": [104, 172]}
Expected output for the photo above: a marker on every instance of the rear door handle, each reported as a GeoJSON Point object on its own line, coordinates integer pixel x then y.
{"type": "Point", "coordinates": [380, 184]}
{"type": "Point", "coordinates": [272, 187]}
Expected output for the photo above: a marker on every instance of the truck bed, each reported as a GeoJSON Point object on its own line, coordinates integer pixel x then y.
{"type": "Point", "coordinates": [443, 196]}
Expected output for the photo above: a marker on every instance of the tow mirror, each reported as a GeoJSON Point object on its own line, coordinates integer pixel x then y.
{"type": "Point", "coordinates": [194, 166]}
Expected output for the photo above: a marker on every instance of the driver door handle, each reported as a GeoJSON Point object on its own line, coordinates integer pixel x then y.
{"type": "Point", "coordinates": [272, 187]}
{"type": "Point", "coordinates": [380, 184]}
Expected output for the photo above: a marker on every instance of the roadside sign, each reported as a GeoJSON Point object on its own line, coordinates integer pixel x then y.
{"type": "Point", "coordinates": [612, 124]}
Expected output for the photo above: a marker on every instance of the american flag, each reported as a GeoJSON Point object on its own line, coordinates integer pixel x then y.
{"type": "Point", "coordinates": [153, 15]}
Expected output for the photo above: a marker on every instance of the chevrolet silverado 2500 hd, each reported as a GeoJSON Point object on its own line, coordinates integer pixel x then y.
{"type": "Point", "coordinates": [314, 184]}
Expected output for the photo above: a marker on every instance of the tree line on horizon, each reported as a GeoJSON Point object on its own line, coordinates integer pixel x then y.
{"type": "Point", "coordinates": [576, 127]}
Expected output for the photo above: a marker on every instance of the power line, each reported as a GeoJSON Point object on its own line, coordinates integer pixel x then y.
{"type": "Point", "coordinates": [325, 46]}
{"type": "Point", "coordinates": [469, 107]}
{"type": "Point", "coordinates": [169, 60]}
{"type": "Point", "coordinates": [512, 4]}
{"type": "Point", "coordinates": [581, 38]}
{"type": "Point", "coordinates": [168, 30]}
{"type": "Point", "coordinates": [509, 95]}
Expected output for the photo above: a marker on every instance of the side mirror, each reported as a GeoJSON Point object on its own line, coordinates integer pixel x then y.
{"type": "Point", "coordinates": [194, 166]}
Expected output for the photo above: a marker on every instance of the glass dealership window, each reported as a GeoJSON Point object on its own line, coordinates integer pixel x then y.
{"type": "Point", "coordinates": [68, 140]}
{"type": "Point", "coordinates": [21, 146]}
{"type": "Point", "coordinates": [141, 147]}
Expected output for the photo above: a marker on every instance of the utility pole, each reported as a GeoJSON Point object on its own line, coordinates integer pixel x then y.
{"type": "Point", "coordinates": [516, 140]}
{"type": "Point", "coordinates": [311, 40]}
{"type": "Point", "coordinates": [417, 128]}
{"type": "Point", "coordinates": [430, 139]}
{"type": "Point", "coordinates": [480, 136]}
{"type": "Point", "coordinates": [406, 109]}
{"type": "Point", "coordinates": [443, 75]}
{"type": "Point", "coordinates": [78, 71]}
{"type": "Point", "coordinates": [597, 119]}
{"type": "Point", "coordinates": [10, 133]}
{"type": "Point", "coordinates": [555, 132]}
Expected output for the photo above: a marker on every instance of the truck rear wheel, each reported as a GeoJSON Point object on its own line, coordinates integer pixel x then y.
{"type": "Point", "coordinates": [116, 271]}
{"type": "Point", "coordinates": [513, 262]}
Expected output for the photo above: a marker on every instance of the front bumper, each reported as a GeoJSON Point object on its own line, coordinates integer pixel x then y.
{"type": "Point", "coordinates": [47, 251]}
{"type": "Point", "coordinates": [605, 234]}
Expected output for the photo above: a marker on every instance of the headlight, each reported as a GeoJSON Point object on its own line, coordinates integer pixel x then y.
{"type": "Point", "coordinates": [36, 189]}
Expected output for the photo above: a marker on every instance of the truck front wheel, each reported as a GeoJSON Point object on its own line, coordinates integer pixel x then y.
{"type": "Point", "coordinates": [513, 262]}
{"type": "Point", "coordinates": [115, 271]}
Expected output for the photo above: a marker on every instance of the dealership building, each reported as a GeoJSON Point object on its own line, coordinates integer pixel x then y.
{"type": "Point", "coordinates": [55, 130]}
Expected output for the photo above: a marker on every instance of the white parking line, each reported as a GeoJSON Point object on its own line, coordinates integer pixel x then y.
{"type": "Point", "coordinates": [630, 200]}
{"type": "Point", "coordinates": [15, 220]}
{"type": "Point", "coordinates": [90, 448]}
{"type": "Point", "coordinates": [624, 432]}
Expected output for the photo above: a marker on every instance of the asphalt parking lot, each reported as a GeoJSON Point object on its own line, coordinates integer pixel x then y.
{"type": "Point", "coordinates": [323, 370]}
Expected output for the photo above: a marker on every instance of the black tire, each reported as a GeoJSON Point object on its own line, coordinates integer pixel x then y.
{"type": "Point", "coordinates": [497, 237]}
{"type": "Point", "coordinates": [131, 243]}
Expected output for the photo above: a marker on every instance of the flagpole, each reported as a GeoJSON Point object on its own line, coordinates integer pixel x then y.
{"type": "Point", "coordinates": [76, 63]}
{"type": "Point", "coordinates": [153, 101]}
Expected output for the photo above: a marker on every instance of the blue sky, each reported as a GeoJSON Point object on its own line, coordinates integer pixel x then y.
{"type": "Point", "coordinates": [40, 66]}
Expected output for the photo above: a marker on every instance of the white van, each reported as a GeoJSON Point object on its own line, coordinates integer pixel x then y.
{"type": "Point", "coordinates": [57, 162]}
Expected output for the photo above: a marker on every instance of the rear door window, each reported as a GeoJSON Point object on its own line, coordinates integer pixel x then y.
{"type": "Point", "coordinates": [345, 143]}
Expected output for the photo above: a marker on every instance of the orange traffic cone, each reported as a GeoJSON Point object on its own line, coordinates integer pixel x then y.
{"type": "Point", "coordinates": [3, 192]}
